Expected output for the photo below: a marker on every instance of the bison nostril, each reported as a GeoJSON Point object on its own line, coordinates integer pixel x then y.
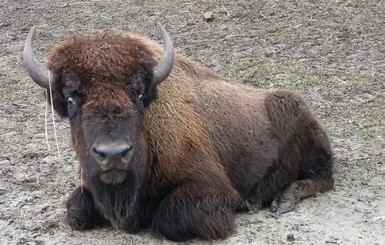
{"type": "Point", "coordinates": [98, 153]}
{"type": "Point", "coordinates": [111, 150]}
{"type": "Point", "coordinates": [127, 150]}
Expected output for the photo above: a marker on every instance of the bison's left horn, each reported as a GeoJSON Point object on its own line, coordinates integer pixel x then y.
{"type": "Point", "coordinates": [36, 71]}
{"type": "Point", "coordinates": [164, 67]}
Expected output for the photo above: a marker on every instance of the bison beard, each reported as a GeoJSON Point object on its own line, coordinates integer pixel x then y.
{"type": "Point", "coordinates": [176, 151]}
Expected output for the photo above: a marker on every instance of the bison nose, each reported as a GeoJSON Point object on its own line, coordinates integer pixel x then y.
{"type": "Point", "coordinates": [108, 154]}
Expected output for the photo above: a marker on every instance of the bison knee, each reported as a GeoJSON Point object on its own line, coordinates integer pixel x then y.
{"type": "Point", "coordinates": [81, 211]}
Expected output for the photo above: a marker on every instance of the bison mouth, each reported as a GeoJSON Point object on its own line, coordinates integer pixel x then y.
{"type": "Point", "coordinates": [113, 176]}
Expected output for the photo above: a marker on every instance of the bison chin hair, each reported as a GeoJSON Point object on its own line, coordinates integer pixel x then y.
{"type": "Point", "coordinates": [117, 202]}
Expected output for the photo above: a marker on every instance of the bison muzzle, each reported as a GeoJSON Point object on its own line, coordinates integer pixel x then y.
{"type": "Point", "coordinates": [164, 142]}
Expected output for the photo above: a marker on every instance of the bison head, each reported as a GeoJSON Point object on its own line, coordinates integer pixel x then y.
{"type": "Point", "coordinates": [102, 84]}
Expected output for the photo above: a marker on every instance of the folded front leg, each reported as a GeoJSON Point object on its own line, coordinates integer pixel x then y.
{"type": "Point", "coordinates": [193, 210]}
{"type": "Point", "coordinates": [81, 211]}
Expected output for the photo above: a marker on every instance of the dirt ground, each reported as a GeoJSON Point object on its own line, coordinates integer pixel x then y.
{"type": "Point", "coordinates": [331, 51]}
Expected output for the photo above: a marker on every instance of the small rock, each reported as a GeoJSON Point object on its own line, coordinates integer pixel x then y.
{"type": "Point", "coordinates": [290, 237]}
{"type": "Point", "coordinates": [208, 15]}
{"type": "Point", "coordinates": [9, 134]}
{"type": "Point", "coordinates": [40, 135]}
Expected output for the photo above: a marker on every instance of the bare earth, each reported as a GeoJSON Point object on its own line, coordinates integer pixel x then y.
{"type": "Point", "coordinates": [332, 51]}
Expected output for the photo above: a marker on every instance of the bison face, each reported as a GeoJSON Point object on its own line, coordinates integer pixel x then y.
{"type": "Point", "coordinates": [107, 127]}
{"type": "Point", "coordinates": [103, 84]}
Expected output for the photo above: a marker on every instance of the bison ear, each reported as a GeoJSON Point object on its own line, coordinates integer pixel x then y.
{"type": "Point", "coordinates": [150, 95]}
{"type": "Point", "coordinates": [58, 101]}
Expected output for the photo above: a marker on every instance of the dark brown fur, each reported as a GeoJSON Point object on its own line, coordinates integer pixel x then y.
{"type": "Point", "coordinates": [208, 145]}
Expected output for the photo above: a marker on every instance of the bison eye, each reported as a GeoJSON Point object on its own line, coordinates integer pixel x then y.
{"type": "Point", "coordinates": [70, 101]}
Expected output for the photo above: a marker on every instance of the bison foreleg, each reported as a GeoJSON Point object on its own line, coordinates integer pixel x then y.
{"type": "Point", "coordinates": [188, 212]}
{"type": "Point", "coordinates": [81, 211]}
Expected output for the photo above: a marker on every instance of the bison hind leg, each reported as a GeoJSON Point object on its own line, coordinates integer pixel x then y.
{"type": "Point", "coordinates": [81, 211]}
{"type": "Point", "coordinates": [307, 149]}
{"type": "Point", "coordinates": [315, 175]}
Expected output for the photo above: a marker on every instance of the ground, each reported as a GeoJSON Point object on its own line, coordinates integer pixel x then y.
{"type": "Point", "coordinates": [332, 51]}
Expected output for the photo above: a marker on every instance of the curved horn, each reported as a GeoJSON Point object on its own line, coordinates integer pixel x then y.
{"type": "Point", "coordinates": [163, 69]}
{"type": "Point", "coordinates": [39, 74]}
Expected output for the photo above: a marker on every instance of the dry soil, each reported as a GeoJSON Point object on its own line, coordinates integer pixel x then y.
{"type": "Point", "coordinates": [331, 51]}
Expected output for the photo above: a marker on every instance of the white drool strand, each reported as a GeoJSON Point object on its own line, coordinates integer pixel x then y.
{"type": "Point", "coordinates": [46, 121]}
{"type": "Point", "coordinates": [52, 112]}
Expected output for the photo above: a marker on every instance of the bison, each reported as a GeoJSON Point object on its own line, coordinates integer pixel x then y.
{"type": "Point", "coordinates": [164, 142]}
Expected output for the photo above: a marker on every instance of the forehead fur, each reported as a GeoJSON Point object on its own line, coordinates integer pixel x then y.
{"type": "Point", "coordinates": [105, 55]}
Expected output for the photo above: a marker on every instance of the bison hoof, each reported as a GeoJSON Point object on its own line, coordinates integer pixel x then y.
{"type": "Point", "coordinates": [77, 221]}
{"type": "Point", "coordinates": [250, 206]}
{"type": "Point", "coordinates": [281, 207]}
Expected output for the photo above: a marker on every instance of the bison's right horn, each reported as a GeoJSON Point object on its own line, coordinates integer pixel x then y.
{"type": "Point", "coordinates": [164, 67]}
{"type": "Point", "coordinates": [36, 71]}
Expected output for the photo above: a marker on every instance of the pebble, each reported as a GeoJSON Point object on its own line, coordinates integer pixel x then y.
{"type": "Point", "coordinates": [290, 237]}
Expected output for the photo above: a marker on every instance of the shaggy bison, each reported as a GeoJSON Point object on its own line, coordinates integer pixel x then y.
{"type": "Point", "coordinates": [164, 142]}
